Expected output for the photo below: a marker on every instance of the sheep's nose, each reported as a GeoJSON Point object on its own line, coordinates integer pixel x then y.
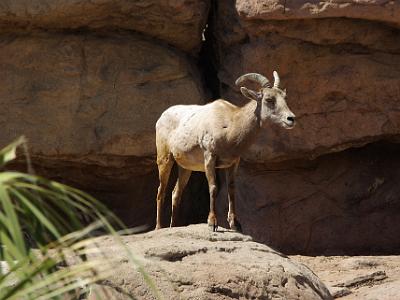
{"type": "Point", "coordinates": [291, 119]}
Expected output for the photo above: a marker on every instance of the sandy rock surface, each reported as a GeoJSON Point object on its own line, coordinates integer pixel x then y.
{"type": "Point", "coordinates": [357, 277]}
{"type": "Point", "coordinates": [194, 263]}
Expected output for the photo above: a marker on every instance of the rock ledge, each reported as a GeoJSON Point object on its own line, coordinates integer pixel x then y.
{"type": "Point", "coordinates": [194, 263]}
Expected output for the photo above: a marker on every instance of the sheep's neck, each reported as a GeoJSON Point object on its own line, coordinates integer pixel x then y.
{"type": "Point", "coordinates": [249, 119]}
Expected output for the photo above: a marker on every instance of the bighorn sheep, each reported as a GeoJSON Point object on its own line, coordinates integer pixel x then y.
{"type": "Point", "coordinates": [215, 135]}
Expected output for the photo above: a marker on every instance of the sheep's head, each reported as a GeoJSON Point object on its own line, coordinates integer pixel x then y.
{"type": "Point", "coordinates": [272, 99]}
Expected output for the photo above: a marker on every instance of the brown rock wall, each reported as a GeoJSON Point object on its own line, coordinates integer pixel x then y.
{"type": "Point", "coordinates": [128, 186]}
{"type": "Point", "coordinates": [342, 203]}
{"type": "Point", "coordinates": [84, 95]}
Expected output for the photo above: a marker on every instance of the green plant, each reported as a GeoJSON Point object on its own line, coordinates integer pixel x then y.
{"type": "Point", "coordinates": [46, 250]}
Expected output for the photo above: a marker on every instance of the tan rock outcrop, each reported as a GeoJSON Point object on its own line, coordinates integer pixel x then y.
{"type": "Point", "coordinates": [193, 263]}
{"type": "Point", "coordinates": [179, 22]}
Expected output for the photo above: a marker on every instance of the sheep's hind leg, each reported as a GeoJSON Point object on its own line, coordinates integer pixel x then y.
{"type": "Point", "coordinates": [230, 181]}
{"type": "Point", "coordinates": [183, 178]}
{"type": "Point", "coordinates": [209, 163]}
{"type": "Point", "coordinates": [165, 165]}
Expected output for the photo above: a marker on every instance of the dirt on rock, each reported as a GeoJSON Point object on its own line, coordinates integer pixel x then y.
{"type": "Point", "coordinates": [357, 277]}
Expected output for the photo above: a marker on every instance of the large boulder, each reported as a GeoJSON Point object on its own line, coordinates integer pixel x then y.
{"type": "Point", "coordinates": [179, 22]}
{"type": "Point", "coordinates": [194, 263]}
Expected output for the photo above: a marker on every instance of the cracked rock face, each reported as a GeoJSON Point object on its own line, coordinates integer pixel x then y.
{"type": "Point", "coordinates": [194, 263]}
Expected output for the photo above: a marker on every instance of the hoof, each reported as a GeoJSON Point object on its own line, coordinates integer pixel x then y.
{"type": "Point", "coordinates": [235, 225]}
{"type": "Point", "coordinates": [157, 227]}
{"type": "Point", "coordinates": [213, 227]}
{"type": "Point", "coordinates": [212, 223]}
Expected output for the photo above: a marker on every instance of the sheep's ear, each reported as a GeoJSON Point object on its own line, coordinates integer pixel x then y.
{"type": "Point", "coordinates": [250, 94]}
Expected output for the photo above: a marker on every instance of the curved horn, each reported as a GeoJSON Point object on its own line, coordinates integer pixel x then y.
{"type": "Point", "coordinates": [277, 80]}
{"type": "Point", "coordinates": [263, 81]}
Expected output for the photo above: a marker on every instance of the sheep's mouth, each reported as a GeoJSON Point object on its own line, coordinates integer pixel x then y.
{"type": "Point", "coordinates": [287, 125]}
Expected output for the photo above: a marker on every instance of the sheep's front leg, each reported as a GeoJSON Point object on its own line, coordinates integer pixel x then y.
{"type": "Point", "coordinates": [209, 164]}
{"type": "Point", "coordinates": [230, 181]}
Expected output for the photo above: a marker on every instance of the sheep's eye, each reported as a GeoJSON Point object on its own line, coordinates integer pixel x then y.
{"type": "Point", "coordinates": [271, 103]}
